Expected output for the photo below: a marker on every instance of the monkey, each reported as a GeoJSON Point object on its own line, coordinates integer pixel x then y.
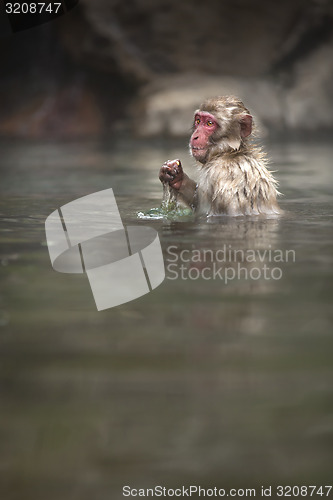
{"type": "Point", "coordinates": [233, 175]}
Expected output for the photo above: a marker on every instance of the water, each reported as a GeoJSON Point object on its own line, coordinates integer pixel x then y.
{"type": "Point", "coordinates": [199, 382]}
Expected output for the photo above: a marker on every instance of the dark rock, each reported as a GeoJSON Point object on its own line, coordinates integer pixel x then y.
{"type": "Point", "coordinates": [151, 62]}
{"type": "Point", "coordinates": [67, 113]}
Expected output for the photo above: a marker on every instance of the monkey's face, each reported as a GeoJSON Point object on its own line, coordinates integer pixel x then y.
{"type": "Point", "coordinates": [205, 125]}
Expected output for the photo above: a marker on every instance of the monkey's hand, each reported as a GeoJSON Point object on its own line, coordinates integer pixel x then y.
{"type": "Point", "coordinates": [172, 173]}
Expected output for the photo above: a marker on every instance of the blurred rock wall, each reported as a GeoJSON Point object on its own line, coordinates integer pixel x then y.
{"type": "Point", "coordinates": [147, 64]}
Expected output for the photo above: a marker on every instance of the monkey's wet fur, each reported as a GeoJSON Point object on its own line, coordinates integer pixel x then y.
{"type": "Point", "coordinates": [233, 175]}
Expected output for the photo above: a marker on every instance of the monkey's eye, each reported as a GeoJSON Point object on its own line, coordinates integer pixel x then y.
{"type": "Point", "coordinates": [210, 123]}
{"type": "Point", "coordinates": [197, 121]}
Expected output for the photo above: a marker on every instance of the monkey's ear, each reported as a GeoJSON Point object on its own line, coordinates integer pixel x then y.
{"type": "Point", "coordinates": [246, 125]}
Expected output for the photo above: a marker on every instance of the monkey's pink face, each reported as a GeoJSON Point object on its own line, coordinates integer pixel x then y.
{"type": "Point", "coordinates": [205, 125]}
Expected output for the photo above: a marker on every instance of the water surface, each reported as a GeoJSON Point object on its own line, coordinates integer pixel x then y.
{"type": "Point", "coordinates": [198, 382]}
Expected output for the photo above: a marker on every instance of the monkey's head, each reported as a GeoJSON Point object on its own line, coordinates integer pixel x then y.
{"type": "Point", "coordinates": [221, 124]}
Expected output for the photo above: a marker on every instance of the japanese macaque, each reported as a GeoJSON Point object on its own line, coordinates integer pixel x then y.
{"type": "Point", "coordinates": [233, 175]}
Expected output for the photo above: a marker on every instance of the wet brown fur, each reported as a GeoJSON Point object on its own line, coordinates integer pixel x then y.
{"type": "Point", "coordinates": [234, 179]}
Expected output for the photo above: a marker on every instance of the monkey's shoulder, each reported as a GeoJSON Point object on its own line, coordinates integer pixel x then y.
{"type": "Point", "coordinates": [238, 184]}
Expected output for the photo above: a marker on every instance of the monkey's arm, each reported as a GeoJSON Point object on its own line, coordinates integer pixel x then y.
{"type": "Point", "coordinates": [188, 191]}
{"type": "Point", "coordinates": [183, 187]}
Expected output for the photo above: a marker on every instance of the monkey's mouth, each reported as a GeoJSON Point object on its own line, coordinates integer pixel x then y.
{"type": "Point", "coordinates": [198, 149]}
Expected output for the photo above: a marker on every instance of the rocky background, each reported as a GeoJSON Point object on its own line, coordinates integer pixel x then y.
{"type": "Point", "coordinates": [145, 65]}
